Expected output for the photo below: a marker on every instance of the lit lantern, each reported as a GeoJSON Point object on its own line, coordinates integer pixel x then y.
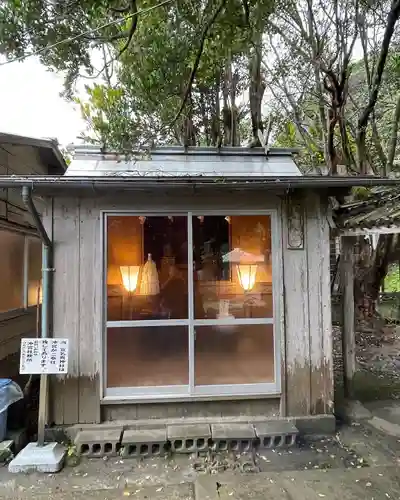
{"type": "Point", "coordinates": [246, 265]}
{"type": "Point", "coordinates": [247, 275]}
{"type": "Point", "coordinates": [130, 277]}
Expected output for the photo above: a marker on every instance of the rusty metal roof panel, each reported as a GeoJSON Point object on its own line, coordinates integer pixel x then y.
{"type": "Point", "coordinates": [380, 208]}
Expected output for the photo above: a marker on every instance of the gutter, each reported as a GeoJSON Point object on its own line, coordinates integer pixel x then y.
{"type": "Point", "coordinates": [135, 183]}
{"type": "Point", "coordinates": [47, 257]}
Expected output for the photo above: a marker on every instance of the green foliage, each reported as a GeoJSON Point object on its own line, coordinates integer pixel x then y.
{"type": "Point", "coordinates": [392, 279]}
{"type": "Point", "coordinates": [361, 193]}
{"type": "Point", "coordinates": [150, 77]}
{"type": "Point", "coordinates": [145, 77]}
{"type": "Point", "coordinates": [66, 155]}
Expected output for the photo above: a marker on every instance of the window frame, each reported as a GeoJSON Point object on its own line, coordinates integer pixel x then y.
{"type": "Point", "coordinates": [192, 392]}
{"type": "Point", "coordinates": [27, 236]}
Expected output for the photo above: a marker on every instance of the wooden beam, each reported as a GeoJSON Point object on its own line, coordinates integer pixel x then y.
{"type": "Point", "coordinates": [367, 231]}
{"type": "Point", "coordinates": [348, 332]}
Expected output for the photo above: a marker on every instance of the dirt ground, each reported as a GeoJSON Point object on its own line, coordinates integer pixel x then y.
{"type": "Point", "coordinates": [357, 463]}
{"type": "Point", "coordinates": [378, 360]}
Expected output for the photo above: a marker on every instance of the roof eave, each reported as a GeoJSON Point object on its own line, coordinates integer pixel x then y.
{"type": "Point", "coordinates": [135, 183]}
{"type": "Point", "coordinates": [51, 144]}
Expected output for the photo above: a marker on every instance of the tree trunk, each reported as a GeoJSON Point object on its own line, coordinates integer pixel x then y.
{"type": "Point", "coordinates": [216, 118]}
{"type": "Point", "coordinates": [226, 110]}
{"type": "Point", "coordinates": [332, 159]}
{"type": "Point", "coordinates": [256, 89]}
{"type": "Point", "coordinates": [371, 269]}
{"type": "Point", "coordinates": [393, 137]}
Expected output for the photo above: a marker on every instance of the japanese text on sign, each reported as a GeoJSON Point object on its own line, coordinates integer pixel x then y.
{"type": "Point", "coordinates": [43, 356]}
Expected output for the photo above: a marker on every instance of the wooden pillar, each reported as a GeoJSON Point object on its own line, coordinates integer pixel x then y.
{"type": "Point", "coordinates": [348, 331]}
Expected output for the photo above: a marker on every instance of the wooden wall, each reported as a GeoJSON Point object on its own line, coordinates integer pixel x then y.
{"type": "Point", "coordinates": [19, 160]}
{"type": "Point", "coordinates": [77, 307]}
{"type": "Point", "coordinates": [309, 368]}
{"type": "Point", "coordinates": [305, 298]}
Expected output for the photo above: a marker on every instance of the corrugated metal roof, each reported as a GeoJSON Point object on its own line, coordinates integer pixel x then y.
{"type": "Point", "coordinates": [178, 162]}
{"type": "Point", "coordinates": [381, 208]}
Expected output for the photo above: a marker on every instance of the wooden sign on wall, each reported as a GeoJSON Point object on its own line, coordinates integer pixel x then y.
{"type": "Point", "coordinates": [295, 225]}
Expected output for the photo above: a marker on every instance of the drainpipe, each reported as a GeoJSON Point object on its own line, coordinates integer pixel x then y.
{"type": "Point", "coordinates": [45, 311]}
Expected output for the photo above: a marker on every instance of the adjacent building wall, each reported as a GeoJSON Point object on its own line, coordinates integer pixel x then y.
{"type": "Point", "coordinates": [14, 325]}
{"type": "Point", "coordinates": [306, 351]}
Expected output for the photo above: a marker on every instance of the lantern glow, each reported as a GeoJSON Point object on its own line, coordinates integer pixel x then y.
{"type": "Point", "coordinates": [247, 275]}
{"type": "Point", "coordinates": [130, 277]}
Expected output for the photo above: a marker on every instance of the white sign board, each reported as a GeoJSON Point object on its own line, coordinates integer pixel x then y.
{"type": "Point", "coordinates": [43, 356]}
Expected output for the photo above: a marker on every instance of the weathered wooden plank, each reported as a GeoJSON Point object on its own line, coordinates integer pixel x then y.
{"type": "Point", "coordinates": [348, 333]}
{"type": "Point", "coordinates": [71, 400]}
{"type": "Point", "coordinates": [89, 400]}
{"type": "Point", "coordinates": [24, 322]}
{"type": "Point", "coordinates": [90, 324]}
{"type": "Point", "coordinates": [319, 306]}
{"type": "Point", "coordinates": [56, 401]}
{"type": "Point", "coordinates": [67, 297]}
{"type": "Point", "coordinates": [279, 308]}
{"type": "Point", "coordinates": [297, 390]}
{"type": "Point", "coordinates": [24, 160]}
{"type": "Point", "coordinates": [13, 329]}
{"type": "Point", "coordinates": [172, 202]}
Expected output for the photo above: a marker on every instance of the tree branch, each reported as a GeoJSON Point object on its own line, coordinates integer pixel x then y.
{"type": "Point", "coordinates": [246, 9]}
{"type": "Point", "coordinates": [198, 58]}
{"type": "Point", "coordinates": [392, 19]}
{"type": "Point", "coordinates": [132, 28]}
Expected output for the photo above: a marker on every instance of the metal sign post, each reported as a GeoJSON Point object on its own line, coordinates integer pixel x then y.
{"type": "Point", "coordinates": [45, 356]}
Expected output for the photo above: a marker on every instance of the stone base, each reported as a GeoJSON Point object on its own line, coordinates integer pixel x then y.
{"type": "Point", "coordinates": [33, 458]}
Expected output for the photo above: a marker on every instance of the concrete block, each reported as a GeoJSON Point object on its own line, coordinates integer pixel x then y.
{"type": "Point", "coordinates": [234, 437]}
{"type": "Point", "coordinates": [320, 425]}
{"type": "Point", "coordinates": [20, 438]}
{"type": "Point", "coordinates": [189, 438]}
{"type": "Point", "coordinates": [354, 411]}
{"type": "Point", "coordinates": [6, 452]}
{"type": "Point", "coordinates": [99, 443]}
{"type": "Point", "coordinates": [144, 443]}
{"type": "Point", "coordinates": [33, 458]}
{"type": "Point", "coordinates": [276, 433]}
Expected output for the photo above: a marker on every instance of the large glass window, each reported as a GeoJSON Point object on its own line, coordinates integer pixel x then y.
{"type": "Point", "coordinates": [20, 270]}
{"type": "Point", "coordinates": [190, 304]}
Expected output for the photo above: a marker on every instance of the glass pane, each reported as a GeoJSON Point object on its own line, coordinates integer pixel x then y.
{"type": "Point", "coordinates": [34, 271]}
{"type": "Point", "coordinates": [242, 354]}
{"type": "Point", "coordinates": [147, 268]}
{"type": "Point", "coordinates": [11, 271]}
{"type": "Point", "coordinates": [233, 270]}
{"type": "Point", "coordinates": [147, 356]}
